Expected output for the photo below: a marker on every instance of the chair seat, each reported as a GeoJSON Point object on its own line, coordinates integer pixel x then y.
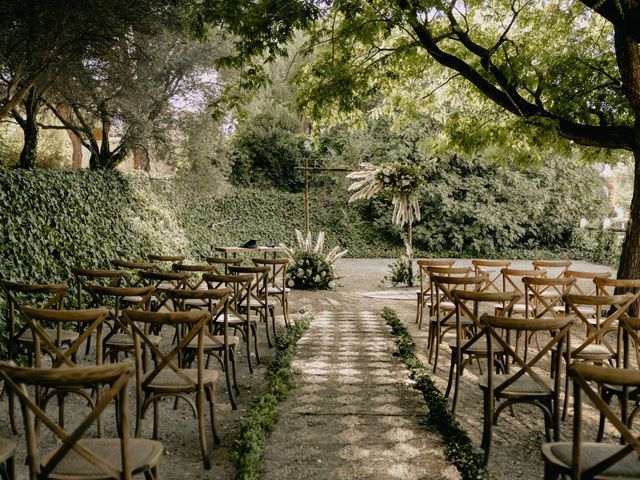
{"type": "Point", "coordinates": [124, 341]}
{"type": "Point", "coordinates": [132, 299]}
{"type": "Point", "coordinates": [517, 308]}
{"type": "Point", "coordinates": [196, 303]}
{"type": "Point", "coordinates": [214, 342]}
{"type": "Point", "coordinates": [277, 291]}
{"type": "Point", "coordinates": [592, 350]}
{"type": "Point", "coordinates": [7, 449]}
{"type": "Point", "coordinates": [66, 336]}
{"type": "Point", "coordinates": [234, 320]}
{"type": "Point", "coordinates": [168, 380]}
{"type": "Point", "coordinates": [525, 385]}
{"type": "Point", "coordinates": [143, 455]}
{"type": "Point", "coordinates": [560, 453]}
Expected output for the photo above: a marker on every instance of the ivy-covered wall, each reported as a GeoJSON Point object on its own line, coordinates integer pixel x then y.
{"type": "Point", "coordinates": [54, 220]}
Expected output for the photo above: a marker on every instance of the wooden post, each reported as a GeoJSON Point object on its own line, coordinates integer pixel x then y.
{"type": "Point", "coordinates": [306, 196]}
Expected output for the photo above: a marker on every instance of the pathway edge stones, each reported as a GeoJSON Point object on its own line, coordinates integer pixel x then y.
{"type": "Point", "coordinates": [458, 447]}
{"type": "Point", "coordinates": [262, 416]}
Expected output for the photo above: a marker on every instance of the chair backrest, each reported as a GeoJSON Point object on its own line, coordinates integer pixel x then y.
{"type": "Point", "coordinates": [113, 297]}
{"type": "Point", "coordinates": [544, 296]}
{"type": "Point", "coordinates": [86, 276]}
{"type": "Point", "coordinates": [445, 285]}
{"type": "Point", "coordinates": [630, 330]}
{"type": "Point", "coordinates": [195, 272]}
{"type": "Point", "coordinates": [493, 271]}
{"type": "Point", "coordinates": [189, 326]}
{"type": "Point", "coordinates": [609, 286]}
{"type": "Point", "coordinates": [585, 281]}
{"type": "Point", "coordinates": [114, 375]}
{"type": "Point", "coordinates": [131, 269]}
{"type": "Point", "coordinates": [278, 271]}
{"type": "Point", "coordinates": [552, 268]}
{"type": "Point", "coordinates": [607, 310]}
{"type": "Point", "coordinates": [584, 375]}
{"type": "Point", "coordinates": [495, 328]}
{"type": "Point", "coordinates": [23, 294]}
{"type": "Point", "coordinates": [163, 281]}
{"type": "Point", "coordinates": [240, 286]}
{"type": "Point", "coordinates": [512, 278]}
{"type": "Point", "coordinates": [222, 264]}
{"type": "Point", "coordinates": [85, 321]}
{"type": "Point", "coordinates": [259, 287]}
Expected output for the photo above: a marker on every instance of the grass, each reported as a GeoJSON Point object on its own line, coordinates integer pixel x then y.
{"type": "Point", "coordinates": [458, 447]}
{"type": "Point", "coordinates": [262, 416]}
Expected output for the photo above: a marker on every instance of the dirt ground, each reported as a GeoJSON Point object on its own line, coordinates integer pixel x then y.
{"type": "Point", "coordinates": [517, 440]}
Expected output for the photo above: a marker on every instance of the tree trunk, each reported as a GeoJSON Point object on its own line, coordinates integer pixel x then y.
{"type": "Point", "coordinates": [629, 266]}
{"type": "Point", "coordinates": [76, 143]}
{"type": "Point", "coordinates": [29, 153]}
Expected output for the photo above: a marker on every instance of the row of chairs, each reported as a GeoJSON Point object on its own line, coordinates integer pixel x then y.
{"type": "Point", "coordinates": [127, 311]}
{"type": "Point", "coordinates": [531, 306]}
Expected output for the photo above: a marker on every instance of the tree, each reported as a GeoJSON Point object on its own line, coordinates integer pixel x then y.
{"type": "Point", "coordinates": [565, 73]}
{"type": "Point", "coordinates": [141, 92]}
{"type": "Point", "coordinates": [40, 39]}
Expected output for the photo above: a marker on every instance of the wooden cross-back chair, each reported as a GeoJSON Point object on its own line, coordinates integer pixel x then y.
{"type": "Point", "coordinates": [544, 297]}
{"type": "Point", "coordinates": [445, 320]}
{"type": "Point", "coordinates": [90, 276]}
{"type": "Point", "coordinates": [596, 347]}
{"type": "Point", "coordinates": [277, 281]}
{"type": "Point", "coordinates": [77, 457]}
{"type": "Point", "coordinates": [260, 301]}
{"type": "Point", "coordinates": [552, 268]}
{"type": "Point", "coordinates": [218, 344]}
{"type": "Point", "coordinates": [610, 286]}
{"type": "Point", "coordinates": [628, 357]}
{"type": "Point", "coordinates": [63, 355]}
{"type": "Point", "coordinates": [239, 318]}
{"type": "Point", "coordinates": [585, 281]}
{"type": "Point", "coordinates": [512, 280]}
{"type": "Point", "coordinates": [162, 282]}
{"type": "Point", "coordinates": [465, 349]}
{"type": "Point", "coordinates": [169, 375]}
{"type": "Point", "coordinates": [19, 335]}
{"type": "Point", "coordinates": [527, 384]}
{"type": "Point", "coordinates": [222, 264]}
{"type": "Point", "coordinates": [424, 294]}
{"type": "Point", "coordinates": [438, 306]}
{"type": "Point", "coordinates": [119, 339]}
{"type": "Point", "coordinates": [492, 269]}
{"type": "Point", "coordinates": [590, 460]}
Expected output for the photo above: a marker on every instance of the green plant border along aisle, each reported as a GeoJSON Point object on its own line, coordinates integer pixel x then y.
{"type": "Point", "coordinates": [257, 424]}
{"type": "Point", "coordinates": [458, 447]}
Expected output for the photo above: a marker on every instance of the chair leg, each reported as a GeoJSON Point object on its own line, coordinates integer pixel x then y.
{"type": "Point", "coordinates": [156, 419]}
{"type": "Point", "coordinates": [227, 374]}
{"type": "Point", "coordinates": [232, 358]}
{"type": "Point", "coordinates": [254, 330]}
{"type": "Point", "coordinates": [12, 412]}
{"type": "Point", "coordinates": [201, 430]}
{"type": "Point", "coordinates": [265, 316]}
{"type": "Point", "coordinates": [247, 339]}
{"type": "Point", "coordinates": [272, 313]}
{"type": "Point", "coordinates": [488, 425]}
{"type": "Point", "coordinates": [211, 399]}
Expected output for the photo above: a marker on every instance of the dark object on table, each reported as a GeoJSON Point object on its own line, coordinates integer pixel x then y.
{"type": "Point", "coordinates": [250, 244]}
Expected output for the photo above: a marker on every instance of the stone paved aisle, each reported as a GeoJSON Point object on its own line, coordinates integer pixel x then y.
{"type": "Point", "coordinates": [354, 414]}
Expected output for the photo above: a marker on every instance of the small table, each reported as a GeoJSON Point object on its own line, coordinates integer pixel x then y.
{"type": "Point", "coordinates": [260, 249]}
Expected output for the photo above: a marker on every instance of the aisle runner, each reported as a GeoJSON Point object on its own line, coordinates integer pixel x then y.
{"type": "Point", "coordinates": [353, 415]}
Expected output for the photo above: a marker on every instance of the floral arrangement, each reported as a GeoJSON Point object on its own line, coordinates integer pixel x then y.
{"type": "Point", "coordinates": [309, 269]}
{"type": "Point", "coordinates": [402, 180]}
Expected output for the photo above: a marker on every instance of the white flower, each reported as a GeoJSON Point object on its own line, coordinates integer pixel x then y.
{"type": "Point", "coordinates": [317, 278]}
{"type": "Point", "coordinates": [331, 284]}
{"type": "Point", "coordinates": [300, 272]}
{"type": "Point", "coordinates": [309, 271]}
{"type": "Point", "coordinates": [387, 171]}
{"type": "Point", "coordinates": [387, 179]}
{"type": "Point", "coordinates": [406, 182]}
{"type": "Point", "coordinates": [290, 283]}
{"type": "Point", "coordinates": [323, 273]}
